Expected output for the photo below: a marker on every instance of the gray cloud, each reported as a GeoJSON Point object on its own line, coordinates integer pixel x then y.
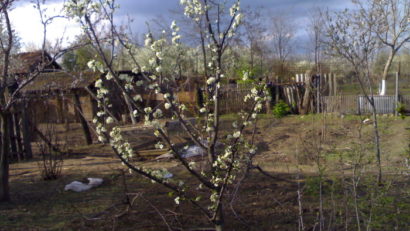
{"type": "Point", "coordinates": [298, 10]}
{"type": "Point", "coordinates": [145, 10]}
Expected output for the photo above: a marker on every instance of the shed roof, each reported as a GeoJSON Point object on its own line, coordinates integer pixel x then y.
{"type": "Point", "coordinates": [27, 62]}
{"type": "Point", "coordinates": [52, 81]}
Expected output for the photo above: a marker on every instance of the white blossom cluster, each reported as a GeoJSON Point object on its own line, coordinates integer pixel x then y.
{"type": "Point", "coordinates": [122, 146]}
{"type": "Point", "coordinates": [175, 36]}
{"type": "Point", "coordinates": [234, 12]}
{"type": "Point", "coordinates": [162, 174]}
{"type": "Point", "coordinates": [156, 46]}
{"type": "Point", "coordinates": [193, 9]}
{"type": "Point", "coordinates": [96, 66]}
{"type": "Point", "coordinates": [77, 9]}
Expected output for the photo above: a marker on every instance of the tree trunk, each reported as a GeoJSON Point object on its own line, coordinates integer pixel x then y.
{"type": "Point", "coordinates": [252, 56]}
{"type": "Point", "coordinates": [83, 121]}
{"type": "Point", "coordinates": [383, 87]}
{"type": "Point", "coordinates": [219, 220]}
{"type": "Point", "coordinates": [26, 133]}
{"type": "Point", "coordinates": [12, 140]}
{"type": "Point", "coordinates": [17, 135]}
{"type": "Point", "coordinates": [277, 95]}
{"type": "Point", "coordinates": [4, 162]}
{"type": "Point", "coordinates": [130, 109]}
{"type": "Point", "coordinates": [386, 71]}
{"type": "Point", "coordinates": [204, 57]}
{"type": "Point", "coordinates": [269, 100]}
{"type": "Point", "coordinates": [376, 140]}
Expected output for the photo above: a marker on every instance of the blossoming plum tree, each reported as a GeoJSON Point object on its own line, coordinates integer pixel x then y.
{"type": "Point", "coordinates": [227, 155]}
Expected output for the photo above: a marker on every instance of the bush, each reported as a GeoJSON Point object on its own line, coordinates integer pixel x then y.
{"type": "Point", "coordinates": [51, 155]}
{"type": "Point", "coordinates": [281, 109]}
{"type": "Point", "coordinates": [401, 109]}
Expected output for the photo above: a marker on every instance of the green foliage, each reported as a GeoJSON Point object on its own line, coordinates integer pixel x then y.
{"type": "Point", "coordinates": [281, 109]}
{"type": "Point", "coordinates": [401, 109]}
{"type": "Point", "coordinates": [247, 77]}
{"type": "Point", "coordinates": [244, 67]}
{"type": "Point", "coordinates": [329, 185]}
{"type": "Point", "coordinates": [77, 60]}
{"type": "Point", "coordinates": [245, 82]}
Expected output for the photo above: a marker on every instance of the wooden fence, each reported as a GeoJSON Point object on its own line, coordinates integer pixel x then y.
{"type": "Point", "coordinates": [344, 104]}
{"type": "Point", "coordinates": [232, 100]}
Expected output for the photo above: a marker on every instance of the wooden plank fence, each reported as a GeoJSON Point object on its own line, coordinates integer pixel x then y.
{"type": "Point", "coordinates": [344, 104]}
{"type": "Point", "coordinates": [232, 100]}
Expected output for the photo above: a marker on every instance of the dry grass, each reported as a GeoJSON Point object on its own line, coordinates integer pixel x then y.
{"type": "Point", "coordinates": [264, 203]}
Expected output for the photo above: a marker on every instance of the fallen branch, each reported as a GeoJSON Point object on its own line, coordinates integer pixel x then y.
{"type": "Point", "coordinates": [257, 167]}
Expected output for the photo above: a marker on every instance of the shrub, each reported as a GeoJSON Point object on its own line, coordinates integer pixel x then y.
{"type": "Point", "coordinates": [51, 157]}
{"type": "Point", "coordinates": [281, 109]}
{"type": "Point", "coordinates": [401, 109]}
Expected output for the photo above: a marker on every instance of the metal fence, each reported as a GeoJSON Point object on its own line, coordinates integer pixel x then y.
{"type": "Point", "coordinates": [360, 104]}
{"type": "Point", "coordinates": [383, 104]}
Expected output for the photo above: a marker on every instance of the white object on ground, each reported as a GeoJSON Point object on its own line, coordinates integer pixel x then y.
{"type": "Point", "coordinates": [168, 175]}
{"type": "Point", "coordinates": [367, 121]}
{"type": "Point", "coordinates": [193, 151]}
{"type": "Point", "coordinates": [77, 186]}
{"type": "Point", "coordinates": [94, 182]}
{"type": "Point", "coordinates": [165, 156]}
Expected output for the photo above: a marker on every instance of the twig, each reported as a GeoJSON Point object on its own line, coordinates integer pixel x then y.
{"type": "Point", "coordinates": [300, 215]}
{"type": "Point", "coordinates": [159, 213]}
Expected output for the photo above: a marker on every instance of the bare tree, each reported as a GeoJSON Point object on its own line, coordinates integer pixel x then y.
{"type": "Point", "coordinates": [6, 46]}
{"type": "Point", "coordinates": [254, 35]}
{"type": "Point", "coordinates": [316, 31]}
{"type": "Point", "coordinates": [9, 99]}
{"type": "Point", "coordinates": [281, 34]}
{"type": "Point", "coordinates": [349, 38]}
{"type": "Point", "coordinates": [389, 21]}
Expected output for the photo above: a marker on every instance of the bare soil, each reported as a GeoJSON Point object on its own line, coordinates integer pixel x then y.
{"type": "Point", "coordinates": [286, 147]}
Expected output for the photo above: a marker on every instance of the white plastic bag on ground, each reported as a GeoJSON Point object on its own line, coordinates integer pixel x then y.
{"type": "Point", "coordinates": [193, 151]}
{"type": "Point", "coordinates": [77, 186]}
{"type": "Point", "coordinates": [94, 182]}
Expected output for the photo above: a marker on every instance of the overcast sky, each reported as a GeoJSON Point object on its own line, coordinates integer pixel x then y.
{"type": "Point", "coordinates": [27, 23]}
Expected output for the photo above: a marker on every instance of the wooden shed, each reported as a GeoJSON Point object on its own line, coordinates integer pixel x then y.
{"type": "Point", "coordinates": [52, 97]}
{"type": "Point", "coordinates": [56, 97]}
